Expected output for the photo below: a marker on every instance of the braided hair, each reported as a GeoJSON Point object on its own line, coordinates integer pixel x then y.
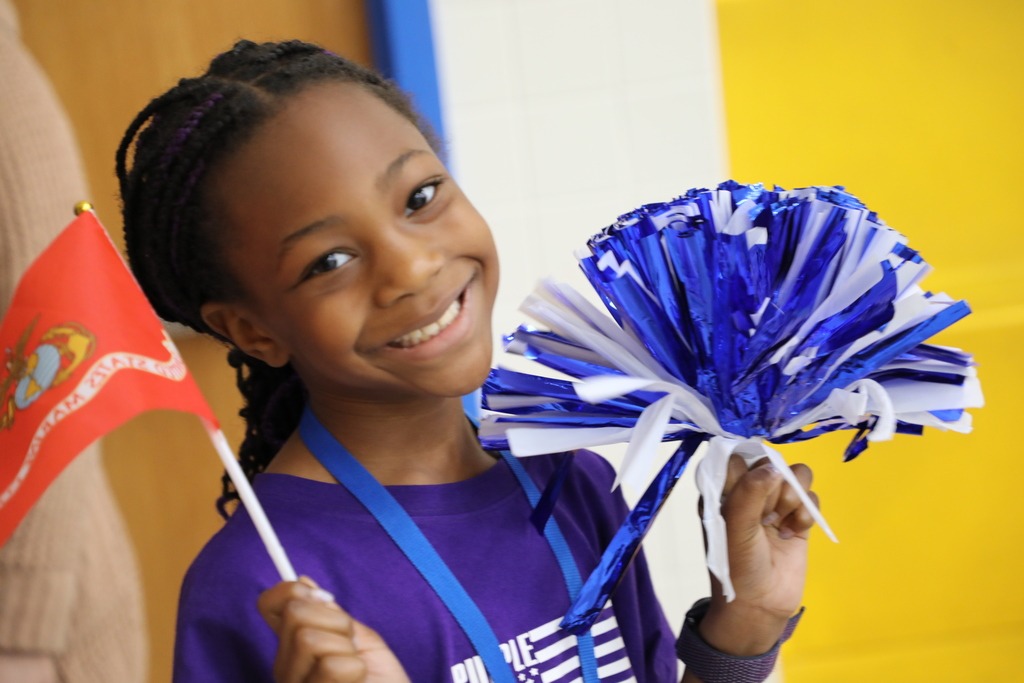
{"type": "Point", "coordinates": [175, 248]}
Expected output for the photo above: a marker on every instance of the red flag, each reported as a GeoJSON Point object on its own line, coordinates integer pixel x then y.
{"type": "Point", "coordinates": [83, 352]}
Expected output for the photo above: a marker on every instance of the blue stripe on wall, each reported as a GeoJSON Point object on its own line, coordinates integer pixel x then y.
{"type": "Point", "coordinates": [403, 50]}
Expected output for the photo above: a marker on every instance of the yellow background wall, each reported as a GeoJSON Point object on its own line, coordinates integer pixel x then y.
{"type": "Point", "coordinates": [916, 106]}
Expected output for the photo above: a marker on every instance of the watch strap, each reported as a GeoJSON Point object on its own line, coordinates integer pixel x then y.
{"type": "Point", "coordinates": [713, 666]}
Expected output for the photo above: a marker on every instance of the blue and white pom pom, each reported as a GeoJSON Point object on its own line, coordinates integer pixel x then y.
{"type": "Point", "coordinates": [739, 317]}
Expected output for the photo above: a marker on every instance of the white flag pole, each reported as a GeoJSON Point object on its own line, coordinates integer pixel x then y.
{"type": "Point", "coordinates": [252, 504]}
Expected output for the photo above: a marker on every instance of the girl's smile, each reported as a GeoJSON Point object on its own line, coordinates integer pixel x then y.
{"type": "Point", "coordinates": [428, 332]}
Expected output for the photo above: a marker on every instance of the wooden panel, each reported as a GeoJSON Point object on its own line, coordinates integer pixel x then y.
{"type": "Point", "coordinates": [107, 60]}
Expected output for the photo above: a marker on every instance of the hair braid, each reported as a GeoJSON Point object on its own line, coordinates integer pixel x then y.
{"type": "Point", "coordinates": [174, 245]}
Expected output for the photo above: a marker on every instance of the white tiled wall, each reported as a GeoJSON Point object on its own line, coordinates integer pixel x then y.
{"type": "Point", "coordinates": [563, 114]}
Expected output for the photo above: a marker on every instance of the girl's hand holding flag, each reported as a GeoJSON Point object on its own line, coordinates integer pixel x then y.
{"type": "Point", "coordinates": [320, 642]}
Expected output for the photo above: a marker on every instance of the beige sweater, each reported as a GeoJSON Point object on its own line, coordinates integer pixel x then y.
{"type": "Point", "coordinates": [69, 586]}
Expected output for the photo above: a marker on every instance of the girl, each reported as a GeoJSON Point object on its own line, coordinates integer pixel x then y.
{"type": "Point", "coordinates": [291, 204]}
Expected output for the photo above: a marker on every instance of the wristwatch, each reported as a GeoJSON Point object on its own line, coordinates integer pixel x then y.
{"type": "Point", "coordinates": [713, 666]}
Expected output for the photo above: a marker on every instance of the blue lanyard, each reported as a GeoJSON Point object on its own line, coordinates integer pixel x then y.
{"type": "Point", "coordinates": [570, 572]}
{"type": "Point", "coordinates": [397, 523]}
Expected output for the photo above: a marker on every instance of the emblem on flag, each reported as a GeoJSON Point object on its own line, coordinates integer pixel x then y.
{"type": "Point", "coordinates": [26, 375]}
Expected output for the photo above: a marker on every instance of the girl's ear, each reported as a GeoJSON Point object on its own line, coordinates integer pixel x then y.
{"type": "Point", "coordinates": [234, 322]}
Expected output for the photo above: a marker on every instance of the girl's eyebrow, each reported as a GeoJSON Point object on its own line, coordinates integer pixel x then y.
{"type": "Point", "coordinates": [388, 176]}
{"type": "Point", "coordinates": [289, 242]}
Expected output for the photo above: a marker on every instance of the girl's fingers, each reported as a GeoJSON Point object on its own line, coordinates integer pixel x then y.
{"type": "Point", "coordinates": [733, 473]}
{"type": "Point", "coordinates": [338, 669]}
{"type": "Point", "coordinates": [760, 492]}
{"type": "Point", "coordinates": [737, 468]}
{"type": "Point", "coordinates": [310, 631]}
{"type": "Point", "coordinates": [315, 635]}
{"type": "Point", "coordinates": [312, 654]}
{"type": "Point", "coordinates": [799, 521]}
{"type": "Point", "coordinates": [804, 475]}
{"type": "Point", "coordinates": [771, 499]}
{"type": "Point", "coordinates": [743, 508]}
{"type": "Point", "coordinates": [787, 513]}
{"type": "Point", "coordinates": [272, 602]}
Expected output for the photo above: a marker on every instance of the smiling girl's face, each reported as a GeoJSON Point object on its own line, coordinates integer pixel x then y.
{"type": "Point", "coordinates": [361, 261]}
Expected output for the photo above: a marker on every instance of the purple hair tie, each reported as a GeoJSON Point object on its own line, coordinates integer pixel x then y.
{"type": "Point", "coordinates": [190, 182]}
{"type": "Point", "coordinates": [177, 143]}
{"type": "Point", "coordinates": [186, 130]}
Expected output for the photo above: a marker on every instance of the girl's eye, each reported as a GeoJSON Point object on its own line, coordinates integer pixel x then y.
{"type": "Point", "coordinates": [329, 262]}
{"type": "Point", "coordinates": [421, 197]}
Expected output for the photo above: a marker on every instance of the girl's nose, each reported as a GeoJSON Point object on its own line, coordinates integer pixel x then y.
{"type": "Point", "coordinates": [406, 265]}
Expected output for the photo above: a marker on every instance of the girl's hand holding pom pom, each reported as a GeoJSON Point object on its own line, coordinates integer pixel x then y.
{"type": "Point", "coordinates": [320, 643]}
{"type": "Point", "coordinates": [768, 529]}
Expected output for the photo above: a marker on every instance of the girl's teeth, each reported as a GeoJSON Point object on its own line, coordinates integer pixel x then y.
{"type": "Point", "coordinates": [430, 331]}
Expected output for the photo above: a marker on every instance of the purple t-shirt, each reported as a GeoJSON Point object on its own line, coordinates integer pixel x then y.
{"type": "Point", "coordinates": [482, 530]}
